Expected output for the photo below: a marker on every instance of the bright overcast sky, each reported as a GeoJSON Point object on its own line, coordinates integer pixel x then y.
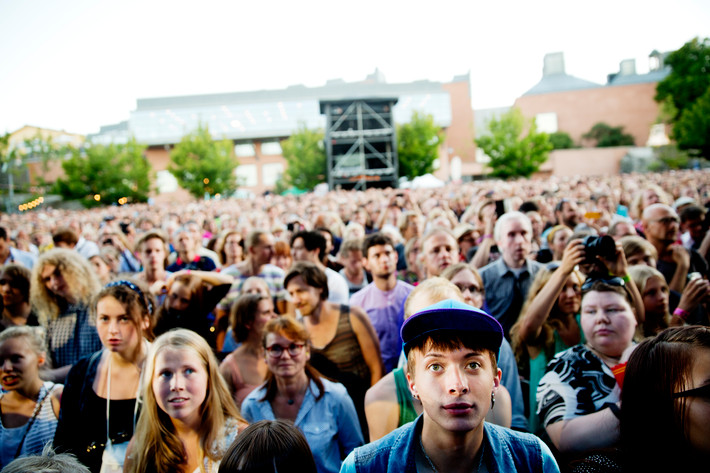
{"type": "Point", "coordinates": [79, 64]}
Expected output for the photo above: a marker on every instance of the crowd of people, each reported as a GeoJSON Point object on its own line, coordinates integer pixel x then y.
{"type": "Point", "coordinates": [555, 324]}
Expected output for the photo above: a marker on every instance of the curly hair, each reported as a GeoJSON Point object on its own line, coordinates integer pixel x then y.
{"type": "Point", "coordinates": [78, 274]}
{"type": "Point", "coordinates": [158, 447]}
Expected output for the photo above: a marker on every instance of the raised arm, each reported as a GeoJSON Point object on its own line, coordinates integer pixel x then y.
{"type": "Point", "coordinates": [541, 305]}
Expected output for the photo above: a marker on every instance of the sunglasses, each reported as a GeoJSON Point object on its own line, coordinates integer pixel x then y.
{"type": "Point", "coordinates": [702, 391]}
{"type": "Point", "coordinates": [276, 350]}
{"type": "Point", "coordinates": [615, 281]}
{"type": "Point", "coordinates": [472, 288]}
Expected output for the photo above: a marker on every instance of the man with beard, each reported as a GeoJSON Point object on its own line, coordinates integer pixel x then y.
{"type": "Point", "coordinates": [508, 279]}
{"type": "Point", "coordinates": [383, 299]}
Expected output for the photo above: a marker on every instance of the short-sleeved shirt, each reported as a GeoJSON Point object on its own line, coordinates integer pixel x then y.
{"type": "Point", "coordinates": [386, 312]}
{"type": "Point", "coordinates": [576, 383]}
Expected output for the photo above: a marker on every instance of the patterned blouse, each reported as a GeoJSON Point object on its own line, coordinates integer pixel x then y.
{"type": "Point", "coordinates": [576, 383]}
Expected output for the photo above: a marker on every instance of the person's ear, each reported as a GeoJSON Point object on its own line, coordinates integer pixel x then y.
{"type": "Point", "coordinates": [412, 386]}
{"type": "Point", "coordinates": [365, 264]}
{"type": "Point", "coordinates": [145, 323]}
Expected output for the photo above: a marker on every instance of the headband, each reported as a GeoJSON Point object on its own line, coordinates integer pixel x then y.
{"type": "Point", "coordinates": [133, 287]}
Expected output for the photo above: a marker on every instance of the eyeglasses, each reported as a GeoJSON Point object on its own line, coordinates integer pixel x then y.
{"type": "Point", "coordinates": [276, 350]}
{"type": "Point", "coordinates": [667, 220]}
{"type": "Point", "coordinates": [615, 281]}
{"type": "Point", "coordinates": [473, 289]}
{"type": "Point", "coordinates": [702, 391]}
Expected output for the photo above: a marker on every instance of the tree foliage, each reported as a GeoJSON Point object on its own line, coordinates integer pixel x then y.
{"type": "Point", "coordinates": [306, 158]}
{"type": "Point", "coordinates": [512, 154]}
{"type": "Point", "coordinates": [605, 136]}
{"type": "Point", "coordinates": [685, 96]}
{"type": "Point", "coordinates": [112, 172]}
{"type": "Point", "coordinates": [418, 145]}
{"type": "Point", "coordinates": [202, 165]}
{"type": "Point", "coordinates": [561, 140]}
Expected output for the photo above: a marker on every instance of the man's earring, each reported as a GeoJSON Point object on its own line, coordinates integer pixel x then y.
{"type": "Point", "coordinates": [493, 399]}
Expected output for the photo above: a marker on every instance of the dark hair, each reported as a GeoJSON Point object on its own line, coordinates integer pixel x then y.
{"type": "Point", "coordinates": [529, 206]}
{"type": "Point", "coordinates": [19, 277]}
{"type": "Point", "coordinates": [312, 240]}
{"type": "Point", "coordinates": [65, 235]}
{"type": "Point", "coordinates": [311, 275]}
{"type": "Point", "coordinates": [242, 314]}
{"type": "Point", "coordinates": [269, 446]}
{"type": "Point", "coordinates": [3, 233]}
{"type": "Point", "coordinates": [375, 239]}
{"type": "Point", "coordinates": [691, 212]}
{"type": "Point", "coordinates": [137, 300]}
{"type": "Point", "coordinates": [652, 420]}
{"type": "Point", "coordinates": [289, 327]}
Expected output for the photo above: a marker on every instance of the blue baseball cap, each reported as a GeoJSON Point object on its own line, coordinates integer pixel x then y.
{"type": "Point", "coordinates": [453, 316]}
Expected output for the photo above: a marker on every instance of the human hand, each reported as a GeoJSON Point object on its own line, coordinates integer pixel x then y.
{"type": "Point", "coordinates": [680, 255]}
{"type": "Point", "coordinates": [696, 291]}
{"type": "Point", "coordinates": [572, 256]}
{"type": "Point", "coordinates": [617, 266]}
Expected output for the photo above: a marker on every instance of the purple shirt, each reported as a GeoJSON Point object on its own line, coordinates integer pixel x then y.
{"type": "Point", "coordinates": [386, 312]}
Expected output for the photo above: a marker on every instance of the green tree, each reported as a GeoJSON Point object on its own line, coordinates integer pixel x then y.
{"type": "Point", "coordinates": [418, 145]}
{"type": "Point", "coordinates": [605, 136]}
{"type": "Point", "coordinates": [561, 140]}
{"type": "Point", "coordinates": [112, 172]}
{"type": "Point", "coordinates": [306, 159]}
{"type": "Point", "coordinates": [202, 165]}
{"type": "Point", "coordinates": [512, 154]}
{"type": "Point", "coordinates": [684, 96]}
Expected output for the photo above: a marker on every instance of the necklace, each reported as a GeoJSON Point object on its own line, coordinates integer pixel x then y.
{"type": "Point", "coordinates": [431, 463]}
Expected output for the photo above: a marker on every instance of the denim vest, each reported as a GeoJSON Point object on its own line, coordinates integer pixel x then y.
{"type": "Point", "coordinates": [506, 450]}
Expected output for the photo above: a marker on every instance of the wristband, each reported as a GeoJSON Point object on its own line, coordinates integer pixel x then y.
{"type": "Point", "coordinates": [480, 239]}
{"type": "Point", "coordinates": [681, 314]}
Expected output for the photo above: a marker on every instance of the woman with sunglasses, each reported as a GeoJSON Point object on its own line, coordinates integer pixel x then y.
{"type": "Point", "coordinates": [295, 391]}
{"type": "Point", "coordinates": [548, 323]}
{"type": "Point", "coordinates": [577, 398]}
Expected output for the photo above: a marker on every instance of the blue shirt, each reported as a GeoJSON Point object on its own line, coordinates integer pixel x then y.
{"type": "Point", "coordinates": [331, 425]}
{"type": "Point", "coordinates": [505, 450]}
{"type": "Point", "coordinates": [23, 258]}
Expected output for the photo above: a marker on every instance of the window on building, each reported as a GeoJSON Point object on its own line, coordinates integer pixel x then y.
{"type": "Point", "coordinates": [244, 150]}
{"type": "Point", "coordinates": [546, 122]}
{"type": "Point", "coordinates": [271, 172]}
{"type": "Point", "coordinates": [271, 148]}
{"type": "Point", "coordinates": [246, 175]}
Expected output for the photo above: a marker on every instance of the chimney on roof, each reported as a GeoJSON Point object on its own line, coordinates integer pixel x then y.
{"type": "Point", "coordinates": [627, 67]}
{"type": "Point", "coordinates": [656, 60]}
{"type": "Point", "coordinates": [376, 77]}
{"type": "Point", "coordinates": [554, 64]}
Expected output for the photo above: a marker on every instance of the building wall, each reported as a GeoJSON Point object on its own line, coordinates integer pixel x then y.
{"type": "Point", "coordinates": [584, 162]}
{"type": "Point", "coordinates": [630, 106]}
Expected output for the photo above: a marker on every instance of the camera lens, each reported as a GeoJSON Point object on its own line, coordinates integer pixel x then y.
{"type": "Point", "coordinates": [603, 246]}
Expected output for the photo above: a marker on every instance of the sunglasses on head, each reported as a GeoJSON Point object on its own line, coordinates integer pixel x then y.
{"type": "Point", "coordinates": [615, 281]}
{"type": "Point", "coordinates": [702, 391]}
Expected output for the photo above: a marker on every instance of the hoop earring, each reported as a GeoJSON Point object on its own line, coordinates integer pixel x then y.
{"type": "Point", "coordinates": [493, 399]}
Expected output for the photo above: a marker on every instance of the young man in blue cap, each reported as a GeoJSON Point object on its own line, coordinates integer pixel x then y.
{"type": "Point", "coordinates": [451, 351]}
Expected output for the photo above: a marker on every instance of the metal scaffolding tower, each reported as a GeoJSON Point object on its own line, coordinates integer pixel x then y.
{"type": "Point", "coordinates": [361, 143]}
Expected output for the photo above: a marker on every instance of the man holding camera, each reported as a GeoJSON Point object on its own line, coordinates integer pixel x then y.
{"type": "Point", "coordinates": [508, 279]}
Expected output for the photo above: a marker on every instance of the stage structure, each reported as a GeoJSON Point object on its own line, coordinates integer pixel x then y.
{"type": "Point", "coordinates": [361, 143]}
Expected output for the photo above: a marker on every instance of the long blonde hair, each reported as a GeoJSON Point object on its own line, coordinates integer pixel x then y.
{"type": "Point", "coordinates": [76, 271]}
{"type": "Point", "coordinates": [158, 447]}
{"type": "Point", "coordinates": [640, 274]}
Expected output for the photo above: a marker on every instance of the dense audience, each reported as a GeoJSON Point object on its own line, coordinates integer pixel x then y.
{"type": "Point", "coordinates": [577, 272]}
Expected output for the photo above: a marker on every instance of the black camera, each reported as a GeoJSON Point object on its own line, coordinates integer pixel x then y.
{"type": "Point", "coordinates": [603, 246]}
